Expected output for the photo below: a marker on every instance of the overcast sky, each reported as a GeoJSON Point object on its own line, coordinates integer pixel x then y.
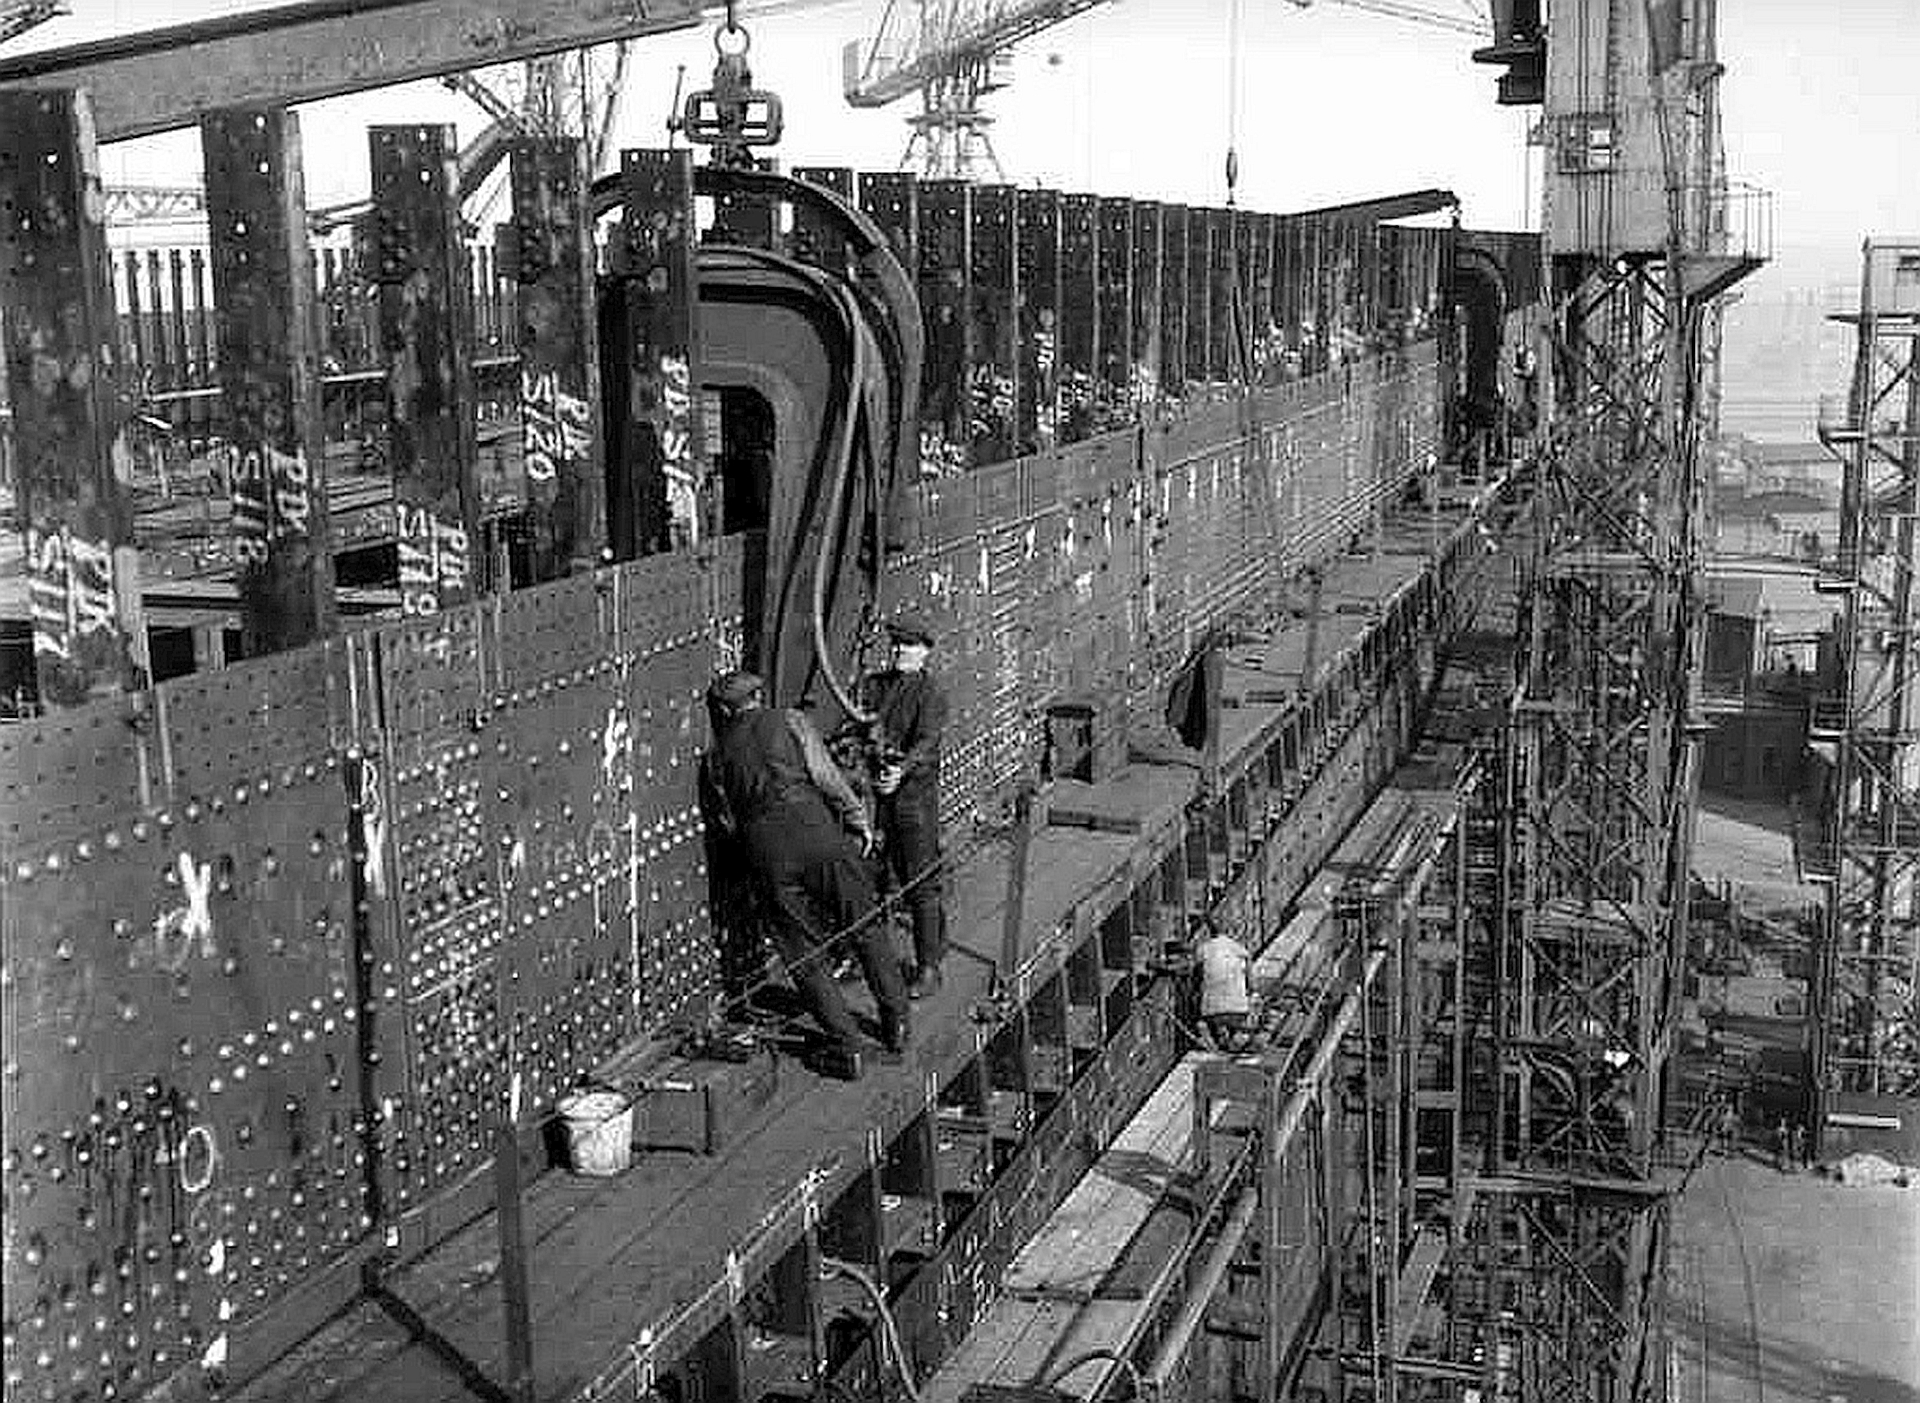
{"type": "Point", "coordinates": [1821, 104]}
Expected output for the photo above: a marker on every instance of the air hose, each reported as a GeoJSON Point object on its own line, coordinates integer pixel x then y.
{"type": "Point", "coordinates": [830, 535]}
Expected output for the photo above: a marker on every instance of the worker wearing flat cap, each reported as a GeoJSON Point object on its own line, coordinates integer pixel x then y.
{"type": "Point", "coordinates": [805, 836]}
{"type": "Point", "coordinates": [910, 713]}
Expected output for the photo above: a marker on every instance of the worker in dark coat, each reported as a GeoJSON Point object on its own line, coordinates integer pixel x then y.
{"type": "Point", "coordinates": [910, 712]}
{"type": "Point", "coordinates": [805, 836]}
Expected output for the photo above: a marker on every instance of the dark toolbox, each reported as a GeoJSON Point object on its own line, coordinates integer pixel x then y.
{"type": "Point", "coordinates": [704, 1103]}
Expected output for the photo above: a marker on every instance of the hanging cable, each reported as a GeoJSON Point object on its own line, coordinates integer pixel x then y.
{"type": "Point", "coordinates": [1233, 99]}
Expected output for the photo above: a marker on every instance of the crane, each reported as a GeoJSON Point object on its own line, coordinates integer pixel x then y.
{"type": "Point", "coordinates": [955, 52]}
{"type": "Point", "coordinates": [18, 16]}
{"type": "Point", "coordinates": [952, 52]}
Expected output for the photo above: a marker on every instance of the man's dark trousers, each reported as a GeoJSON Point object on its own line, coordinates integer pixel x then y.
{"type": "Point", "coordinates": [814, 878]}
{"type": "Point", "coordinates": [910, 822]}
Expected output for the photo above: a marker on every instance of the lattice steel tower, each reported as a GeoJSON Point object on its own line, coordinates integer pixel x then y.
{"type": "Point", "coordinates": [1866, 1014]}
{"type": "Point", "coordinates": [1601, 758]}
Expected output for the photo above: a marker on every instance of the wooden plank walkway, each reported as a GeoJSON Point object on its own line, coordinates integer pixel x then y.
{"type": "Point", "coordinates": [1070, 1289]}
{"type": "Point", "coordinates": [611, 1257]}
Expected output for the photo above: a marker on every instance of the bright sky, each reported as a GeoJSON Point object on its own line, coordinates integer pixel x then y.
{"type": "Point", "coordinates": [1821, 104]}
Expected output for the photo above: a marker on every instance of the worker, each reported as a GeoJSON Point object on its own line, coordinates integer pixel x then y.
{"type": "Point", "coordinates": [1226, 995]}
{"type": "Point", "coordinates": [806, 837]}
{"type": "Point", "coordinates": [1729, 1125]}
{"type": "Point", "coordinates": [909, 712]}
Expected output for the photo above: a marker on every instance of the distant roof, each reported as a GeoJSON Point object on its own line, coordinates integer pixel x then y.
{"type": "Point", "coordinates": [1781, 454]}
{"type": "Point", "coordinates": [1737, 596]}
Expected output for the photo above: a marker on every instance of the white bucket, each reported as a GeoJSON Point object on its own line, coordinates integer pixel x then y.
{"type": "Point", "coordinates": [599, 1131]}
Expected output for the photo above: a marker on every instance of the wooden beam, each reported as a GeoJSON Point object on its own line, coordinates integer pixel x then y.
{"type": "Point", "coordinates": [265, 332]}
{"type": "Point", "coordinates": [421, 267]}
{"type": "Point", "coordinates": [62, 365]}
{"type": "Point", "coordinates": [173, 77]}
{"type": "Point", "coordinates": [559, 361]}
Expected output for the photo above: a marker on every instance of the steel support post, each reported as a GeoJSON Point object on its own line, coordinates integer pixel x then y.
{"type": "Point", "coordinates": [1173, 301]}
{"type": "Point", "coordinates": [1265, 321]}
{"type": "Point", "coordinates": [945, 436]}
{"type": "Point", "coordinates": [1199, 366]}
{"type": "Point", "coordinates": [1037, 277]}
{"type": "Point", "coordinates": [993, 299]}
{"type": "Point", "coordinates": [657, 490]}
{"type": "Point", "coordinates": [1079, 317]}
{"type": "Point", "coordinates": [69, 401]}
{"type": "Point", "coordinates": [814, 240]}
{"type": "Point", "coordinates": [1113, 399]}
{"type": "Point", "coordinates": [1224, 303]}
{"type": "Point", "coordinates": [892, 201]}
{"type": "Point", "coordinates": [747, 218]}
{"type": "Point", "coordinates": [269, 372]}
{"type": "Point", "coordinates": [559, 365]}
{"type": "Point", "coordinates": [426, 320]}
{"type": "Point", "coordinates": [1148, 302]}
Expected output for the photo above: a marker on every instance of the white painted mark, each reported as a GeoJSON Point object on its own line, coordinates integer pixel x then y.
{"type": "Point", "coordinates": [193, 1183]}
{"type": "Point", "coordinates": [373, 822]}
{"type": "Point", "coordinates": [616, 743]}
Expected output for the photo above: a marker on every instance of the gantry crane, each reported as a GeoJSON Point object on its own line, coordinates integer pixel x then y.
{"type": "Point", "coordinates": [954, 52]}
{"type": "Point", "coordinates": [18, 16]}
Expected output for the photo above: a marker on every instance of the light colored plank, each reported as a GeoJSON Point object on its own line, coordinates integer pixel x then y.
{"type": "Point", "coordinates": [1107, 1207]}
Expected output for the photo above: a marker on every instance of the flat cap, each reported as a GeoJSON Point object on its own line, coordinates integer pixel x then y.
{"type": "Point", "coordinates": [734, 689]}
{"type": "Point", "coordinates": [910, 628]}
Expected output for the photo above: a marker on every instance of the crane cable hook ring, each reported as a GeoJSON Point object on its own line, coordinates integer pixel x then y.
{"type": "Point", "coordinates": [731, 27]}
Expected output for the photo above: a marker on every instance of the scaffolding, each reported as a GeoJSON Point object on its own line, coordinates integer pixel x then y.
{"type": "Point", "coordinates": [1865, 1011]}
{"type": "Point", "coordinates": [1563, 1254]}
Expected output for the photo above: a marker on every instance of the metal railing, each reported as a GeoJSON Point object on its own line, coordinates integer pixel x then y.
{"type": "Point", "coordinates": [1734, 218]}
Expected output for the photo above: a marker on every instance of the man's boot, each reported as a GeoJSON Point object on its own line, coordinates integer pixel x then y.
{"type": "Point", "coordinates": [896, 1033]}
